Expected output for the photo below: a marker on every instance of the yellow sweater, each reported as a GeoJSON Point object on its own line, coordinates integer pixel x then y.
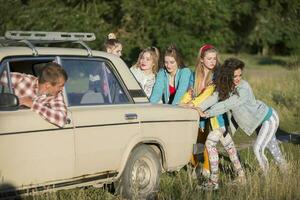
{"type": "Point", "coordinates": [187, 98]}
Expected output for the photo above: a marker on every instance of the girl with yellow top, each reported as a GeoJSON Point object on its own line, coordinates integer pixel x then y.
{"type": "Point", "coordinates": [203, 88]}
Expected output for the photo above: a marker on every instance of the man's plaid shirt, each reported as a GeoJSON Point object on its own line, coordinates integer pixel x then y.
{"type": "Point", "coordinates": [51, 108]}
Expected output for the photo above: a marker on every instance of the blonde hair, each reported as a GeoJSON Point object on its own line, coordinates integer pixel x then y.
{"type": "Point", "coordinates": [111, 41]}
{"type": "Point", "coordinates": [154, 53]}
{"type": "Point", "coordinates": [199, 68]}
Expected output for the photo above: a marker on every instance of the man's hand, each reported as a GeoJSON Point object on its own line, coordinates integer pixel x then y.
{"type": "Point", "coordinates": [26, 101]}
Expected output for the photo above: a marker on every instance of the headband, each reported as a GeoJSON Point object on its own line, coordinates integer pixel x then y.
{"type": "Point", "coordinates": [205, 48]}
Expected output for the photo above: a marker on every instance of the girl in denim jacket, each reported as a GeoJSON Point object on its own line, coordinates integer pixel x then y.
{"type": "Point", "coordinates": [235, 95]}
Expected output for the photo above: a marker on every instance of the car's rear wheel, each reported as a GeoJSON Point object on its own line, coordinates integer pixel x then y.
{"type": "Point", "coordinates": [140, 178]}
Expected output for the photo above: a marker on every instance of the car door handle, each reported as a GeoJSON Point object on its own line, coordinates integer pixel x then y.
{"type": "Point", "coordinates": [130, 116]}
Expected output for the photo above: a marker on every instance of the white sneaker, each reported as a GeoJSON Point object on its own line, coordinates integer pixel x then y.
{"type": "Point", "coordinates": [210, 185]}
{"type": "Point", "coordinates": [205, 173]}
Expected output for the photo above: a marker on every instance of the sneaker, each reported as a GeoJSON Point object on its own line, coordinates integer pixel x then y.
{"type": "Point", "coordinates": [205, 173]}
{"type": "Point", "coordinates": [210, 185]}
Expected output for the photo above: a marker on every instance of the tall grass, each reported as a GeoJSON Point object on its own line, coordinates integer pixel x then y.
{"type": "Point", "coordinates": [89, 193]}
{"type": "Point", "coordinates": [183, 185]}
{"type": "Point", "coordinates": [275, 185]}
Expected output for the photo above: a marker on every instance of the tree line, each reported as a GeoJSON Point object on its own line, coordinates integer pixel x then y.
{"type": "Point", "coordinates": [264, 27]}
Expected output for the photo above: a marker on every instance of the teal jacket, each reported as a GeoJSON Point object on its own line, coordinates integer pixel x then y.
{"type": "Point", "coordinates": [161, 86]}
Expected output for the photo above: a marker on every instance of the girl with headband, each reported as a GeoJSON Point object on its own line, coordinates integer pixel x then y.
{"type": "Point", "coordinates": [205, 71]}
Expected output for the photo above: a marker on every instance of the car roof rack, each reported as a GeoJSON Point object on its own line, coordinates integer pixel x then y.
{"type": "Point", "coordinates": [30, 38]}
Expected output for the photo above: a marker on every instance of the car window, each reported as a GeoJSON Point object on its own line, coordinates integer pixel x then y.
{"type": "Point", "coordinates": [91, 82]}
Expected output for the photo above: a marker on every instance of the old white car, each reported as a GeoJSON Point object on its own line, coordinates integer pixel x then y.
{"type": "Point", "coordinates": [112, 135]}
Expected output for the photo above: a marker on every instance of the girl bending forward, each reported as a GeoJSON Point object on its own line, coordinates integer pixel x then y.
{"type": "Point", "coordinates": [235, 94]}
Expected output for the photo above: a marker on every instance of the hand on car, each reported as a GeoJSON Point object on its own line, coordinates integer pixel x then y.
{"type": "Point", "coordinates": [187, 105]}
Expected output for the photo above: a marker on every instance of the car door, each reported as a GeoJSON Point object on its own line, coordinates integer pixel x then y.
{"type": "Point", "coordinates": [32, 151]}
{"type": "Point", "coordinates": [102, 113]}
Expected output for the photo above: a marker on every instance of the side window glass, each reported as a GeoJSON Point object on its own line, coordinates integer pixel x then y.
{"type": "Point", "coordinates": [91, 83]}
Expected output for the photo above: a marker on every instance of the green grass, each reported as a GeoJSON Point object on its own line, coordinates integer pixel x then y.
{"type": "Point", "coordinates": [89, 193]}
{"type": "Point", "coordinates": [182, 185]}
{"type": "Point", "coordinates": [273, 186]}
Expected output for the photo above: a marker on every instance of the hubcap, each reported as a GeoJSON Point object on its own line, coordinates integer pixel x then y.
{"type": "Point", "coordinates": [141, 174]}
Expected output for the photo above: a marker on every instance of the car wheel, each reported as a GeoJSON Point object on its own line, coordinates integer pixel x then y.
{"type": "Point", "coordinates": [140, 178]}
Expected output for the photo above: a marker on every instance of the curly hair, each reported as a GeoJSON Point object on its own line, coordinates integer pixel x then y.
{"type": "Point", "coordinates": [224, 80]}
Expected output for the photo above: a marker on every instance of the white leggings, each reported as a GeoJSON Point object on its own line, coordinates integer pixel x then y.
{"type": "Point", "coordinates": [266, 138]}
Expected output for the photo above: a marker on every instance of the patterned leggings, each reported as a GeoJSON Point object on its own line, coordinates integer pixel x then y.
{"type": "Point", "coordinates": [266, 138]}
{"type": "Point", "coordinates": [213, 139]}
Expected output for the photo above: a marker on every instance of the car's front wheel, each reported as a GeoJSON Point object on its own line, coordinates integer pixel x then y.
{"type": "Point", "coordinates": [140, 178]}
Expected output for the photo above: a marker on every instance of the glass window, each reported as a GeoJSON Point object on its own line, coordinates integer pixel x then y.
{"type": "Point", "coordinates": [91, 82]}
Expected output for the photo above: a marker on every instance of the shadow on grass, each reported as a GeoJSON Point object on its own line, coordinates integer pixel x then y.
{"type": "Point", "coordinates": [271, 61]}
{"type": "Point", "coordinates": [284, 136]}
{"type": "Point", "coordinates": [291, 64]}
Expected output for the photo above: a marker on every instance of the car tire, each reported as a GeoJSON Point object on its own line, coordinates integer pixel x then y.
{"type": "Point", "coordinates": [140, 178]}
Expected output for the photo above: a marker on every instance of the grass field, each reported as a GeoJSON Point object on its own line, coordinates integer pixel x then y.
{"type": "Point", "coordinates": [273, 186]}
{"type": "Point", "coordinates": [275, 80]}
{"type": "Point", "coordinates": [182, 185]}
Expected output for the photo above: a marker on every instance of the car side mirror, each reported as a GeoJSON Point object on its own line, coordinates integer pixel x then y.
{"type": "Point", "coordinates": [8, 102]}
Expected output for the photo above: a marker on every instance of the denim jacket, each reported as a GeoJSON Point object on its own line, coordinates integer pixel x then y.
{"type": "Point", "coordinates": [248, 112]}
{"type": "Point", "coordinates": [161, 87]}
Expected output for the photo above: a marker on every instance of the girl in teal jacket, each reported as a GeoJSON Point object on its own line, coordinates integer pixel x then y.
{"type": "Point", "coordinates": [173, 80]}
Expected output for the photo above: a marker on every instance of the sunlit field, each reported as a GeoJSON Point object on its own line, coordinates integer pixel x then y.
{"type": "Point", "coordinates": [276, 82]}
